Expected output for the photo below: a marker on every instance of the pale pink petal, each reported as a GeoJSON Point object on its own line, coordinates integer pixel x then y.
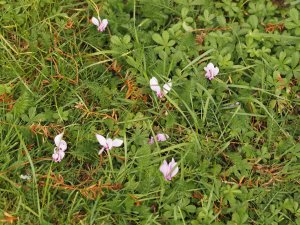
{"type": "Point", "coordinates": [103, 25]}
{"type": "Point", "coordinates": [58, 139]}
{"type": "Point", "coordinates": [160, 94]}
{"type": "Point", "coordinates": [101, 150]}
{"type": "Point", "coordinates": [109, 144]}
{"type": "Point", "coordinates": [154, 85]}
{"type": "Point", "coordinates": [101, 140]}
{"type": "Point", "coordinates": [162, 137]}
{"type": "Point", "coordinates": [173, 168]}
{"type": "Point", "coordinates": [55, 156]}
{"type": "Point", "coordinates": [215, 71]}
{"type": "Point", "coordinates": [168, 177]}
{"type": "Point", "coordinates": [58, 155]}
{"type": "Point", "coordinates": [209, 75]}
{"type": "Point", "coordinates": [174, 171]}
{"type": "Point", "coordinates": [61, 155]}
{"type": "Point", "coordinates": [151, 140]}
{"type": "Point", "coordinates": [95, 21]}
{"type": "Point", "coordinates": [211, 71]}
{"type": "Point", "coordinates": [167, 87]}
{"type": "Point", "coordinates": [172, 163]}
{"type": "Point", "coordinates": [210, 66]}
{"type": "Point", "coordinates": [164, 168]}
{"type": "Point", "coordinates": [117, 142]}
{"type": "Point", "coordinates": [62, 146]}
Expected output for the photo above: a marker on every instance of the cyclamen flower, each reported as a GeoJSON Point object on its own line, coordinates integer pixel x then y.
{"type": "Point", "coordinates": [169, 170]}
{"type": "Point", "coordinates": [211, 71]}
{"type": "Point", "coordinates": [155, 87]}
{"type": "Point", "coordinates": [101, 24]}
{"type": "Point", "coordinates": [59, 150]}
{"type": "Point", "coordinates": [108, 143]}
{"type": "Point", "coordinates": [159, 138]}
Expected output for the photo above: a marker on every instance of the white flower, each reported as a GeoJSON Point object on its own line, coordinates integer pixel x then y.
{"type": "Point", "coordinates": [155, 87]}
{"type": "Point", "coordinates": [101, 24]}
{"type": "Point", "coordinates": [211, 71]}
{"type": "Point", "coordinates": [108, 143]}
{"type": "Point", "coordinates": [59, 150]}
{"type": "Point", "coordinates": [25, 177]}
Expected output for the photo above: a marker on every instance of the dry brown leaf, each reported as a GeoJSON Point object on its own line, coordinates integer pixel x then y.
{"type": "Point", "coordinates": [8, 218]}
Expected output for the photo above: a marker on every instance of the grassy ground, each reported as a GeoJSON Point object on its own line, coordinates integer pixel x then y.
{"type": "Point", "coordinates": [235, 138]}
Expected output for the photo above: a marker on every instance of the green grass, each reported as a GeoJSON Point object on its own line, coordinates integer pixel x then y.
{"type": "Point", "coordinates": [238, 163]}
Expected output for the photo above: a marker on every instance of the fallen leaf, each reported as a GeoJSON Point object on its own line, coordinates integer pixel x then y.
{"type": "Point", "coordinates": [8, 218]}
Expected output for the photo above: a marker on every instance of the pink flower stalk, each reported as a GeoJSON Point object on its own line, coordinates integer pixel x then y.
{"type": "Point", "coordinates": [101, 24]}
{"type": "Point", "coordinates": [159, 138]}
{"type": "Point", "coordinates": [155, 87]}
{"type": "Point", "coordinates": [59, 150]}
{"type": "Point", "coordinates": [169, 170]}
{"type": "Point", "coordinates": [108, 143]}
{"type": "Point", "coordinates": [211, 71]}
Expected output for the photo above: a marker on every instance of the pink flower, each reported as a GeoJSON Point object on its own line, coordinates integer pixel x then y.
{"type": "Point", "coordinates": [59, 150]}
{"type": "Point", "coordinates": [159, 138]}
{"type": "Point", "coordinates": [108, 143]}
{"type": "Point", "coordinates": [211, 71]}
{"type": "Point", "coordinates": [169, 170]}
{"type": "Point", "coordinates": [151, 141]}
{"type": "Point", "coordinates": [101, 24]}
{"type": "Point", "coordinates": [155, 87]}
{"type": "Point", "coordinates": [162, 137]}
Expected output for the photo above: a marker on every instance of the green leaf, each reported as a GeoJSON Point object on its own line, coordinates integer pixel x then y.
{"type": "Point", "coordinates": [171, 43]}
{"type": "Point", "coordinates": [253, 20]}
{"type": "Point", "coordinates": [126, 39]}
{"type": "Point", "coordinates": [294, 14]}
{"type": "Point", "coordinates": [115, 40]}
{"type": "Point", "coordinates": [22, 104]}
{"type": "Point", "coordinates": [187, 27]}
{"type": "Point", "coordinates": [221, 20]}
{"type": "Point", "coordinates": [184, 12]}
{"type": "Point", "coordinates": [189, 20]}
{"type": "Point", "coordinates": [295, 59]}
{"type": "Point", "coordinates": [290, 25]}
{"type": "Point", "coordinates": [158, 39]}
{"type": "Point", "coordinates": [165, 37]}
{"type": "Point", "coordinates": [132, 62]}
{"type": "Point", "coordinates": [190, 208]}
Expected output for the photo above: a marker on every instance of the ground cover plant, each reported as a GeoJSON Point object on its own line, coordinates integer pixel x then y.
{"type": "Point", "coordinates": [150, 112]}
